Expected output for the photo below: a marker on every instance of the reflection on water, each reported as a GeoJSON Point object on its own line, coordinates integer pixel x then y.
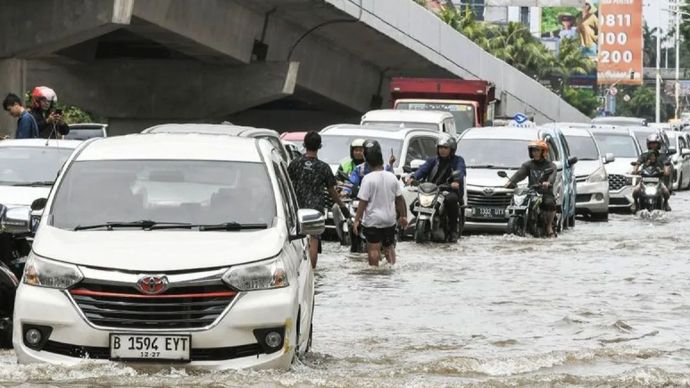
{"type": "Point", "coordinates": [604, 304]}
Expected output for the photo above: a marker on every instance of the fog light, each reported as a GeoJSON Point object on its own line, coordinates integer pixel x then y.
{"type": "Point", "coordinates": [599, 196]}
{"type": "Point", "coordinates": [33, 337]}
{"type": "Point", "coordinates": [274, 339]}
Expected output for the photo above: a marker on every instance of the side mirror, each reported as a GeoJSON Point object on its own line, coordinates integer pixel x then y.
{"type": "Point", "coordinates": [672, 151]}
{"type": "Point", "coordinates": [502, 174]}
{"type": "Point", "coordinates": [572, 160]}
{"type": "Point", "coordinates": [16, 220]}
{"type": "Point", "coordinates": [633, 163]}
{"type": "Point", "coordinates": [609, 158]}
{"type": "Point", "coordinates": [685, 152]}
{"type": "Point", "coordinates": [39, 204]}
{"type": "Point", "coordinates": [310, 222]}
{"type": "Point", "coordinates": [416, 164]}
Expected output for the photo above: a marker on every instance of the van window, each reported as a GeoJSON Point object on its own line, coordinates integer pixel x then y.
{"type": "Point", "coordinates": [553, 149]}
{"type": "Point", "coordinates": [284, 187]}
{"type": "Point", "coordinates": [275, 142]}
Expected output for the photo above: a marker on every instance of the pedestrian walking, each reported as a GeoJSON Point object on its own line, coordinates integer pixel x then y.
{"type": "Point", "coordinates": [379, 198]}
{"type": "Point", "coordinates": [27, 127]}
{"type": "Point", "coordinates": [311, 179]}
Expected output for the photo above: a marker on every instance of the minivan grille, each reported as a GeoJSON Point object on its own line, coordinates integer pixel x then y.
{"type": "Point", "coordinates": [184, 307]}
{"type": "Point", "coordinates": [617, 182]}
{"type": "Point", "coordinates": [497, 200]}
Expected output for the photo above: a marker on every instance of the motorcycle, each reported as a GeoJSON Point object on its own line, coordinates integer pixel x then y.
{"type": "Point", "coordinates": [430, 216]}
{"type": "Point", "coordinates": [524, 212]}
{"type": "Point", "coordinates": [651, 197]}
{"type": "Point", "coordinates": [17, 229]}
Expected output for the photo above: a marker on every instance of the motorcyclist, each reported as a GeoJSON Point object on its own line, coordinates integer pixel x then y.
{"type": "Point", "coordinates": [362, 169]}
{"type": "Point", "coordinates": [653, 157]}
{"type": "Point", "coordinates": [439, 170]}
{"type": "Point", "coordinates": [51, 124]}
{"type": "Point", "coordinates": [541, 172]}
{"type": "Point", "coordinates": [356, 158]}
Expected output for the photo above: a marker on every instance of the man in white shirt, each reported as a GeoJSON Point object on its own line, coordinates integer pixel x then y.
{"type": "Point", "coordinates": [379, 196]}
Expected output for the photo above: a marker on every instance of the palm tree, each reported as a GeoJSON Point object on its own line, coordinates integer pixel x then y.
{"type": "Point", "coordinates": [570, 62]}
{"type": "Point", "coordinates": [649, 45]}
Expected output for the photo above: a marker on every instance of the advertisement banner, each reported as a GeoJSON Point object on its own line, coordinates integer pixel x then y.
{"type": "Point", "coordinates": [581, 24]}
{"type": "Point", "coordinates": [620, 42]}
{"type": "Point", "coordinates": [534, 3]}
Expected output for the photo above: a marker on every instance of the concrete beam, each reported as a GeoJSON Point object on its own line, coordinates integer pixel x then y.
{"type": "Point", "coordinates": [165, 89]}
{"type": "Point", "coordinates": [32, 28]}
{"type": "Point", "coordinates": [205, 28]}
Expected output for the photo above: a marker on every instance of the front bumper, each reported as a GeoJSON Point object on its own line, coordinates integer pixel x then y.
{"type": "Point", "coordinates": [621, 199]}
{"type": "Point", "coordinates": [592, 197]}
{"type": "Point", "coordinates": [227, 344]}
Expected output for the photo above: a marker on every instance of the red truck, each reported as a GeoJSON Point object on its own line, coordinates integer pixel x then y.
{"type": "Point", "coordinates": [472, 103]}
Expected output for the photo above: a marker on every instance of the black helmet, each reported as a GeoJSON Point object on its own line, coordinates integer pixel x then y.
{"type": "Point", "coordinates": [446, 140]}
{"type": "Point", "coordinates": [654, 138]}
{"type": "Point", "coordinates": [372, 153]}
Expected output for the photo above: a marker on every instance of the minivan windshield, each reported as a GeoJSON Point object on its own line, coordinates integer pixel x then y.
{"type": "Point", "coordinates": [396, 125]}
{"type": "Point", "coordinates": [493, 153]}
{"type": "Point", "coordinates": [196, 192]}
{"type": "Point", "coordinates": [463, 113]}
{"type": "Point", "coordinates": [621, 146]}
{"type": "Point", "coordinates": [31, 166]}
{"type": "Point", "coordinates": [583, 147]}
{"type": "Point", "coordinates": [336, 148]}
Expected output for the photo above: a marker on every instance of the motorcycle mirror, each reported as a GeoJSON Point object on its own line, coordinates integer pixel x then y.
{"type": "Point", "coordinates": [502, 174]}
{"type": "Point", "coordinates": [672, 151]}
{"type": "Point", "coordinates": [39, 204]}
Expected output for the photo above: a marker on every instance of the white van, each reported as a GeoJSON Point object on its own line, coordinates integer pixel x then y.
{"type": "Point", "coordinates": [170, 248]}
{"type": "Point", "coordinates": [419, 119]}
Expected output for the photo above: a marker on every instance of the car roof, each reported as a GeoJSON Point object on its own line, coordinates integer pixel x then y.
{"type": "Point", "coordinates": [56, 143]}
{"type": "Point", "coordinates": [88, 126]}
{"type": "Point", "coordinates": [374, 132]}
{"type": "Point", "coordinates": [562, 125]}
{"type": "Point", "coordinates": [293, 136]}
{"type": "Point", "coordinates": [508, 133]}
{"type": "Point", "coordinates": [619, 120]}
{"type": "Point", "coordinates": [211, 129]}
{"type": "Point", "coordinates": [161, 146]}
{"type": "Point", "coordinates": [420, 116]}
{"type": "Point", "coordinates": [612, 131]}
{"type": "Point", "coordinates": [576, 131]}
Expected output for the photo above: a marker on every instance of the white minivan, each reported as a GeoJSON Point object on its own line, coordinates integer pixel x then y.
{"type": "Point", "coordinates": [169, 248]}
{"type": "Point", "coordinates": [420, 119]}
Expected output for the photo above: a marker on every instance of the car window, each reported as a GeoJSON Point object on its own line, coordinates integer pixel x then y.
{"type": "Point", "coordinates": [414, 151]}
{"type": "Point", "coordinates": [284, 187]}
{"type": "Point", "coordinates": [275, 142]}
{"type": "Point", "coordinates": [428, 145]}
{"type": "Point", "coordinates": [554, 152]}
{"type": "Point", "coordinates": [681, 143]}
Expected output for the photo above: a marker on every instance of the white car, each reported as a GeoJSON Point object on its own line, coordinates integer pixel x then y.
{"type": "Point", "coordinates": [85, 131]}
{"type": "Point", "coordinates": [28, 168]}
{"type": "Point", "coordinates": [401, 118]}
{"type": "Point", "coordinates": [592, 197]}
{"type": "Point", "coordinates": [680, 160]}
{"type": "Point", "coordinates": [169, 248]}
{"type": "Point", "coordinates": [624, 147]}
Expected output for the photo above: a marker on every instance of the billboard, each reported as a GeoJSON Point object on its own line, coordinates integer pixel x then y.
{"type": "Point", "coordinates": [581, 24]}
{"type": "Point", "coordinates": [534, 3]}
{"type": "Point", "coordinates": [620, 42]}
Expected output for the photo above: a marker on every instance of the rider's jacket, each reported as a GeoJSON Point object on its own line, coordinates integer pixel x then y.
{"type": "Point", "coordinates": [535, 171]}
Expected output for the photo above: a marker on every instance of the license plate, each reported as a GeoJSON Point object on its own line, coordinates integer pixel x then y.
{"type": "Point", "coordinates": [142, 347]}
{"type": "Point", "coordinates": [489, 212]}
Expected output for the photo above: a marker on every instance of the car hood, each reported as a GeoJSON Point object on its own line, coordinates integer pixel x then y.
{"type": "Point", "coordinates": [587, 167]}
{"type": "Point", "coordinates": [12, 196]}
{"type": "Point", "coordinates": [157, 250]}
{"type": "Point", "coordinates": [487, 177]}
{"type": "Point", "coordinates": [620, 166]}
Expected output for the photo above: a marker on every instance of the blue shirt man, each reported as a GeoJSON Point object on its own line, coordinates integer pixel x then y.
{"type": "Point", "coordinates": [27, 127]}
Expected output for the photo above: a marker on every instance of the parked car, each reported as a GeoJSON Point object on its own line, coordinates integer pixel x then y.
{"type": "Point", "coordinates": [400, 118]}
{"type": "Point", "coordinates": [592, 197]}
{"type": "Point", "coordinates": [489, 150]}
{"type": "Point", "coordinates": [680, 160]}
{"type": "Point", "coordinates": [407, 144]}
{"type": "Point", "coordinates": [621, 121]}
{"type": "Point", "coordinates": [85, 131]}
{"type": "Point", "coordinates": [148, 252]}
{"type": "Point", "coordinates": [625, 148]}
{"type": "Point", "coordinates": [226, 129]}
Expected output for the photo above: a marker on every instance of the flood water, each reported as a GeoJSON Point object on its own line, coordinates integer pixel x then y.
{"type": "Point", "coordinates": [605, 304]}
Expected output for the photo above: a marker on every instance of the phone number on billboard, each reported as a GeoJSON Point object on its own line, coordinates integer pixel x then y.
{"type": "Point", "coordinates": [615, 38]}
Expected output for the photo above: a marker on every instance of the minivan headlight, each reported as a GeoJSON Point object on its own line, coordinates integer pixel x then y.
{"type": "Point", "coordinates": [261, 275]}
{"type": "Point", "coordinates": [48, 273]}
{"type": "Point", "coordinates": [599, 175]}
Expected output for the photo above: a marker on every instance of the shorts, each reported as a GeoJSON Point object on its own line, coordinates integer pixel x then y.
{"type": "Point", "coordinates": [385, 236]}
{"type": "Point", "coordinates": [548, 203]}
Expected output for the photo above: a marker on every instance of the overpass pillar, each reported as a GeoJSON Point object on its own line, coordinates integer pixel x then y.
{"type": "Point", "coordinates": [12, 80]}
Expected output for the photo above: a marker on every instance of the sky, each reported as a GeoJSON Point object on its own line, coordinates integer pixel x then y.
{"type": "Point", "coordinates": [649, 9]}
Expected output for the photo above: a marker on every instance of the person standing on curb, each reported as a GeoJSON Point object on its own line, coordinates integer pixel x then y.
{"type": "Point", "coordinates": [379, 196]}
{"type": "Point", "coordinates": [27, 128]}
{"type": "Point", "coordinates": [310, 178]}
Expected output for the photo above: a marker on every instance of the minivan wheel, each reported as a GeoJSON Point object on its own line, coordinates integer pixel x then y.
{"type": "Point", "coordinates": [6, 333]}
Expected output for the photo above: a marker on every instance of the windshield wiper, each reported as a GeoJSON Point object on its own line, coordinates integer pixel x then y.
{"type": "Point", "coordinates": [144, 224]}
{"type": "Point", "coordinates": [231, 226]}
{"type": "Point", "coordinates": [37, 183]}
{"type": "Point", "coordinates": [486, 166]}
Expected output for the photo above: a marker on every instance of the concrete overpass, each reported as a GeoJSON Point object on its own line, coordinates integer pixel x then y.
{"type": "Point", "coordinates": [284, 64]}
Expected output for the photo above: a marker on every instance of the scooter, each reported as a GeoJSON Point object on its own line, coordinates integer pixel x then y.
{"type": "Point", "coordinates": [524, 212]}
{"type": "Point", "coordinates": [651, 197]}
{"type": "Point", "coordinates": [430, 215]}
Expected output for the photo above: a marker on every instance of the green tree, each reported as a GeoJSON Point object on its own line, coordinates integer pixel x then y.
{"type": "Point", "coordinates": [584, 100]}
{"type": "Point", "coordinates": [570, 62]}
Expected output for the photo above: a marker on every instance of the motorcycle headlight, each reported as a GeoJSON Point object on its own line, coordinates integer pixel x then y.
{"type": "Point", "coordinates": [48, 273]}
{"type": "Point", "coordinates": [650, 190]}
{"type": "Point", "coordinates": [599, 175]}
{"type": "Point", "coordinates": [261, 275]}
{"type": "Point", "coordinates": [426, 200]}
{"type": "Point", "coordinates": [518, 199]}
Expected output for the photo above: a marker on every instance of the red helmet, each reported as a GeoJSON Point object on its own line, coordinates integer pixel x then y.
{"type": "Point", "coordinates": [42, 92]}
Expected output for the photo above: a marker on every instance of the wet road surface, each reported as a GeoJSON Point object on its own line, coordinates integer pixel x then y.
{"type": "Point", "coordinates": [605, 304]}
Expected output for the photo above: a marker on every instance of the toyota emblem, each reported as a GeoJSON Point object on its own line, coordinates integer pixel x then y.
{"type": "Point", "coordinates": [488, 191]}
{"type": "Point", "coordinates": [152, 284]}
